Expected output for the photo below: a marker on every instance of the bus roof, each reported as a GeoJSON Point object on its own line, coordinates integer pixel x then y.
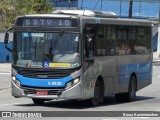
{"type": "Point", "coordinates": [75, 13]}
{"type": "Point", "coordinates": [89, 14]}
{"type": "Point", "coordinates": [48, 15]}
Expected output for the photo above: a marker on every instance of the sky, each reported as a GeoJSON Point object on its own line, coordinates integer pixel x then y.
{"type": "Point", "coordinates": [146, 9]}
{"type": "Point", "coordinates": [120, 7]}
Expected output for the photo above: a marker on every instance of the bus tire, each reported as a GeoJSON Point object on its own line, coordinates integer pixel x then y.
{"type": "Point", "coordinates": [131, 94]}
{"type": "Point", "coordinates": [38, 101]}
{"type": "Point", "coordinates": [98, 93]}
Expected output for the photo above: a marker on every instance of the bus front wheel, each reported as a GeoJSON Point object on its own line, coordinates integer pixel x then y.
{"type": "Point", "coordinates": [98, 93]}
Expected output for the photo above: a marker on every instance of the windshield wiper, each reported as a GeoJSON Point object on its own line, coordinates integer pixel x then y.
{"type": "Point", "coordinates": [54, 43]}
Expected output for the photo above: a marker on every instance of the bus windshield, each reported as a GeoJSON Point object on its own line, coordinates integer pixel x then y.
{"type": "Point", "coordinates": [49, 50]}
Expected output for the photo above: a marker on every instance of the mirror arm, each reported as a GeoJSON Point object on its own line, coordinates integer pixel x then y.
{"type": "Point", "coordinates": [10, 50]}
{"type": "Point", "coordinates": [9, 29]}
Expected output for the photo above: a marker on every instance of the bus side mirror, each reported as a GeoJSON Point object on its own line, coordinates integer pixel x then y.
{"type": "Point", "coordinates": [89, 47]}
{"type": "Point", "coordinates": [6, 38]}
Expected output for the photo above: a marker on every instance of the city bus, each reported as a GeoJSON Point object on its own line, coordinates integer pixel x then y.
{"type": "Point", "coordinates": [80, 55]}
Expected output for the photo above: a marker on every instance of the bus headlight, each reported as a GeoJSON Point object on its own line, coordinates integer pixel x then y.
{"type": "Point", "coordinates": [72, 83]}
{"type": "Point", "coordinates": [16, 81]}
{"type": "Point", "coordinates": [13, 78]}
{"type": "Point", "coordinates": [76, 81]}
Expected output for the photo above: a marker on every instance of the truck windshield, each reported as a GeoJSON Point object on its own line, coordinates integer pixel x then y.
{"type": "Point", "coordinates": [49, 50]}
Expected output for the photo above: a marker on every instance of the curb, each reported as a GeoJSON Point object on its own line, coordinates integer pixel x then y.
{"type": "Point", "coordinates": [156, 61]}
{"type": "Point", "coordinates": [5, 71]}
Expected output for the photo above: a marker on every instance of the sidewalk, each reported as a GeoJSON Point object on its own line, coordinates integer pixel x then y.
{"type": "Point", "coordinates": [5, 67]}
{"type": "Point", "coordinates": [155, 57]}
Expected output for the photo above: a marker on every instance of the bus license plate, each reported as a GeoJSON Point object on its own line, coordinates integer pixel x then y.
{"type": "Point", "coordinates": [41, 92]}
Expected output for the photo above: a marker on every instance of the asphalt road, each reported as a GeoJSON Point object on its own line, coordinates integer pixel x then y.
{"type": "Point", "coordinates": [148, 99]}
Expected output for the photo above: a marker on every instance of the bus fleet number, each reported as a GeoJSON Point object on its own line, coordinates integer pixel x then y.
{"type": "Point", "coordinates": [54, 83]}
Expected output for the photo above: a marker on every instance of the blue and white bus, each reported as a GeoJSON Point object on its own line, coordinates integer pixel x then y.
{"type": "Point", "coordinates": [80, 54]}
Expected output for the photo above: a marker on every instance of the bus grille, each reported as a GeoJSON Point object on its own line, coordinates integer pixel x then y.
{"type": "Point", "coordinates": [43, 74]}
{"type": "Point", "coordinates": [28, 90]}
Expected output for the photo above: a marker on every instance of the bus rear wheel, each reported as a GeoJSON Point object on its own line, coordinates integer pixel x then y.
{"type": "Point", "coordinates": [38, 101]}
{"type": "Point", "coordinates": [131, 94]}
{"type": "Point", "coordinates": [98, 93]}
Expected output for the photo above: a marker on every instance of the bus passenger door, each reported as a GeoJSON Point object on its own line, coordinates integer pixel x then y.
{"type": "Point", "coordinates": [88, 66]}
{"type": "Point", "coordinates": [88, 50]}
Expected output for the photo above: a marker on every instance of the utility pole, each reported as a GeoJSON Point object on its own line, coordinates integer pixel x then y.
{"type": "Point", "coordinates": [158, 42]}
{"type": "Point", "coordinates": [120, 7]}
{"type": "Point", "coordinates": [81, 4]}
{"type": "Point", "coordinates": [68, 4]}
{"type": "Point", "coordinates": [140, 9]}
{"type": "Point", "coordinates": [77, 4]}
{"type": "Point", "coordinates": [130, 8]}
{"type": "Point", "coordinates": [101, 4]}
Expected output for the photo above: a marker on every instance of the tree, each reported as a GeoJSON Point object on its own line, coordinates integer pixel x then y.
{"type": "Point", "coordinates": [6, 14]}
{"type": "Point", "coordinates": [130, 8]}
{"type": "Point", "coordinates": [9, 9]}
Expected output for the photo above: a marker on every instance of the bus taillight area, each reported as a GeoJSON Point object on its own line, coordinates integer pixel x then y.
{"type": "Point", "coordinates": [72, 90]}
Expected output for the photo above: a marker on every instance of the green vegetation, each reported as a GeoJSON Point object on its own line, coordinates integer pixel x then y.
{"type": "Point", "coordinates": [9, 9]}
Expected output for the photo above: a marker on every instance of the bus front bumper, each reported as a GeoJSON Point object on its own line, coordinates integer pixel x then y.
{"type": "Point", "coordinates": [75, 92]}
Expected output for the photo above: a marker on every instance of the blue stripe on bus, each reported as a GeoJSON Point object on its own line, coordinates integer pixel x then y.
{"type": "Point", "coordinates": [142, 71]}
{"type": "Point", "coordinates": [130, 68]}
{"type": "Point", "coordinates": [34, 82]}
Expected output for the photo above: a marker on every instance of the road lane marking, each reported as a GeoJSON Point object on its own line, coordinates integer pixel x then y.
{"type": "Point", "coordinates": [5, 105]}
{"type": "Point", "coordinates": [10, 104]}
{"type": "Point", "coordinates": [109, 119]}
{"type": "Point", "coordinates": [4, 73]}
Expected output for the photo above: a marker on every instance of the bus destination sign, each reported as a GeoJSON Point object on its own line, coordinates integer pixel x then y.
{"type": "Point", "coordinates": [47, 22]}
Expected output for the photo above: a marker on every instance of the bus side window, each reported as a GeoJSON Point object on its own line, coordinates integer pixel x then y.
{"type": "Point", "coordinates": [89, 46]}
